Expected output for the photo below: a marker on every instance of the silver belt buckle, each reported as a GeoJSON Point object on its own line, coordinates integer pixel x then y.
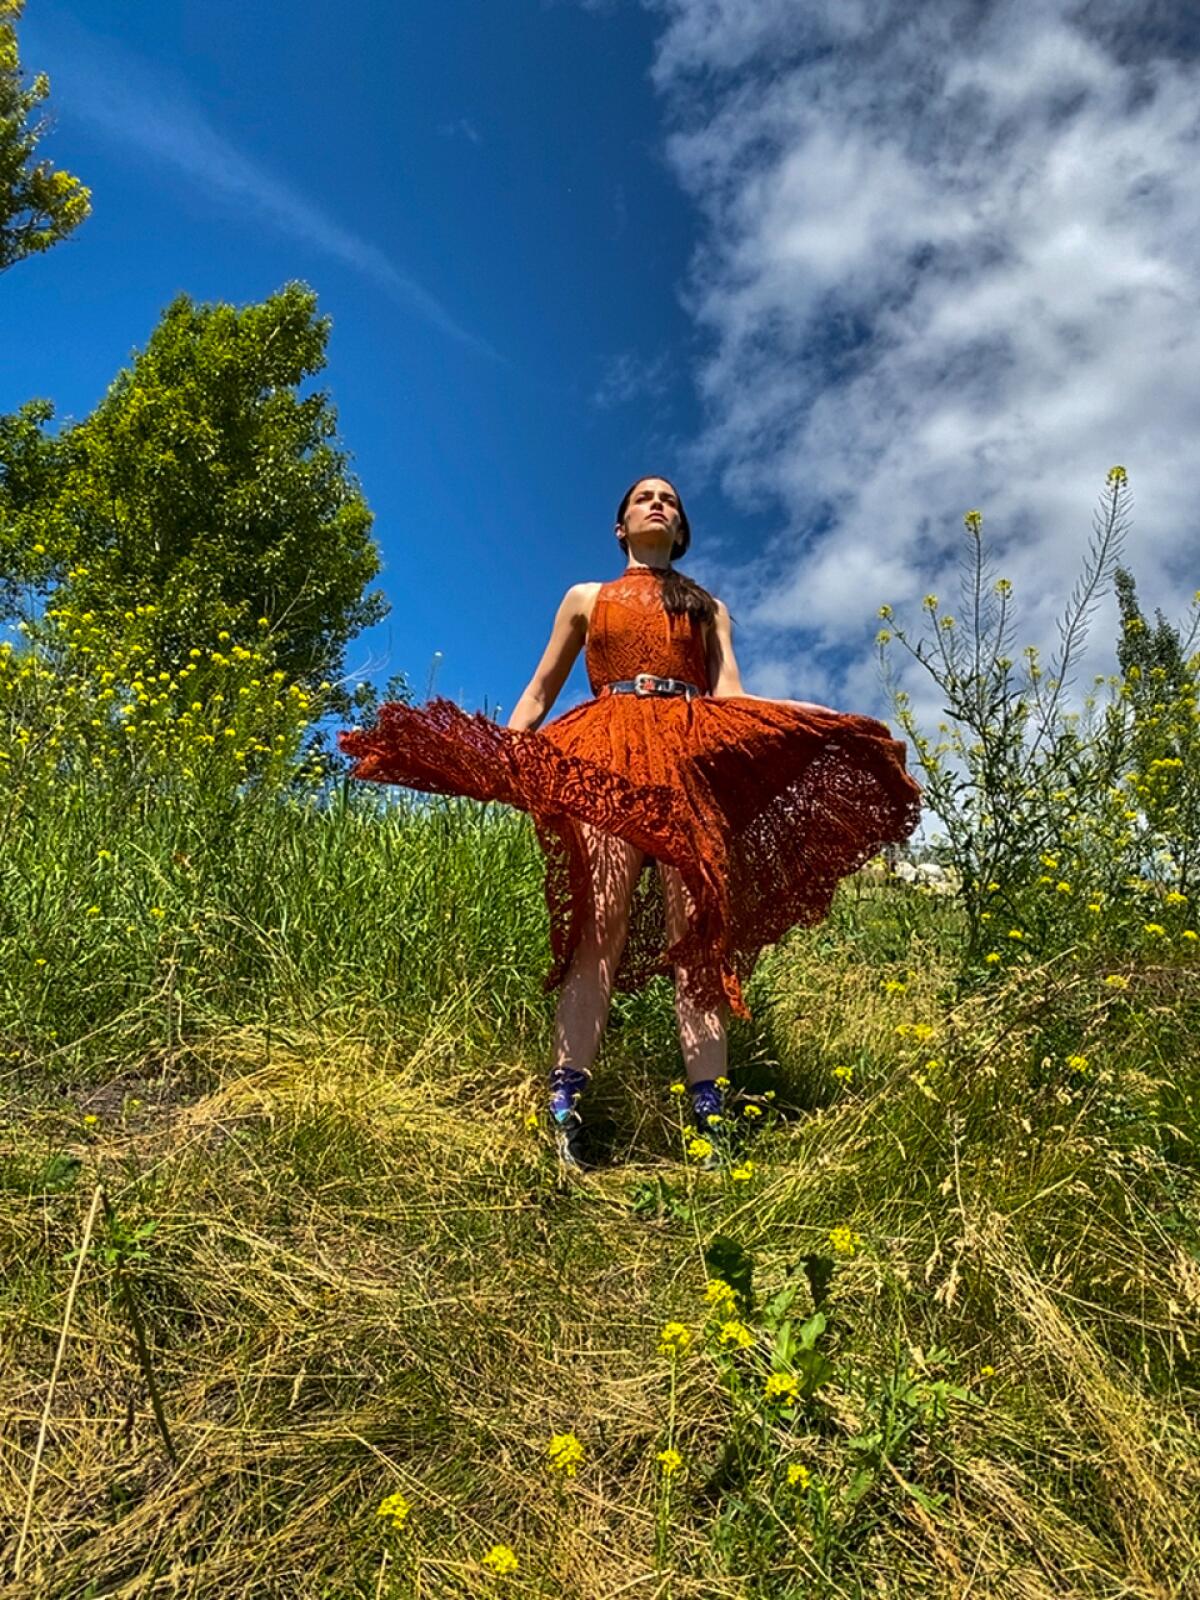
{"type": "Point", "coordinates": [644, 678]}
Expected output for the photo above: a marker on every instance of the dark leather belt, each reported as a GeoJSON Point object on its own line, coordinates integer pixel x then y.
{"type": "Point", "coordinates": [646, 683]}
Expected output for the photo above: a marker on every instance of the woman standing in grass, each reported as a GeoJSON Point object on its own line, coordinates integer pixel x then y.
{"type": "Point", "coordinates": [752, 808]}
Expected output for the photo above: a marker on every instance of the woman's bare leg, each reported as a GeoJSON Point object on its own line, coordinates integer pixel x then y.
{"type": "Point", "coordinates": [587, 989]}
{"type": "Point", "coordinates": [701, 1033]}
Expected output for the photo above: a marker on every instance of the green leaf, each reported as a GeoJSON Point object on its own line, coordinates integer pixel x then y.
{"type": "Point", "coordinates": [812, 1330]}
{"type": "Point", "coordinates": [60, 1173]}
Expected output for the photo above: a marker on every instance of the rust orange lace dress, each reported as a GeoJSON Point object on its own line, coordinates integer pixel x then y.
{"type": "Point", "coordinates": [760, 805]}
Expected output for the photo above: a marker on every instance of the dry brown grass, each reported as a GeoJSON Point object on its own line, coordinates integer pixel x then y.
{"type": "Point", "coordinates": [366, 1278]}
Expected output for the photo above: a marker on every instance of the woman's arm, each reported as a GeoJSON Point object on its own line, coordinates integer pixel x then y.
{"type": "Point", "coordinates": [566, 640]}
{"type": "Point", "coordinates": [723, 675]}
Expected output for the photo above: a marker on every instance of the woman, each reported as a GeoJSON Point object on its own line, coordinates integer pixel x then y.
{"type": "Point", "coordinates": [751, 808]}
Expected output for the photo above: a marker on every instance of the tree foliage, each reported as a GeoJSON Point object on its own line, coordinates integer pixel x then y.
{"type": "Point", "coordinates": [205, 482]}
{"type": "Point", "coordinates": [39, 205]}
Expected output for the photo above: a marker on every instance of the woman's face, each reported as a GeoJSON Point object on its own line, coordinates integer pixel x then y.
{"type": "Point", "coordinates": [652, 515]}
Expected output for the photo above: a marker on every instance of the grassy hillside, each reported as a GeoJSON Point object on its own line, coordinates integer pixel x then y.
{"type": "Point", "coordinates": [302, 1051]}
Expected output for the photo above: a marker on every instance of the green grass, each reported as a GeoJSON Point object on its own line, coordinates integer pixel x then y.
{"type": "Point", "coordinates": [312, 1075]}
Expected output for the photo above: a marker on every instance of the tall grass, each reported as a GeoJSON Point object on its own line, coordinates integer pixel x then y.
{"type": "Point", "coordinates": [300, 1046]}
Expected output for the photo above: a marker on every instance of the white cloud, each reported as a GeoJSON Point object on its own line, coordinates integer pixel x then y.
{"type": "Point", "coordinates": [949, 258]}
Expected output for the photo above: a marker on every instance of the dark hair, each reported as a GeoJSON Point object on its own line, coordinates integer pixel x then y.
{"type": "Point", "coordinates": [680, 593]}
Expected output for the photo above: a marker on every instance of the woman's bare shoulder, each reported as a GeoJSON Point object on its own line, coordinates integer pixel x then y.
{"type": "Point", "coordinates": [584, 595]}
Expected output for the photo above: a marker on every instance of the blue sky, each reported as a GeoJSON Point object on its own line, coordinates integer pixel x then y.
{"type": "Point", "coordinates": [477, 193]}
{"type": "Point", "coordinates": [844, 270]}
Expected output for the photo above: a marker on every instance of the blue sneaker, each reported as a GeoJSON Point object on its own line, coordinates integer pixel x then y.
{"type": "Point", "coordinates": [708, 1105]}
{"type": "Point", "coordinates": [566, 1086]}
{"type": "Point", "coordinates": [707, 1102]}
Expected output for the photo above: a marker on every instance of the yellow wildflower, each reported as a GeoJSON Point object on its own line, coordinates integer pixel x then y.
{"type": "Point", "coordinates": [987, 1372]}
{"type": "Point", "coordinates": [799, 1476]}
{"type": "Point", "coordinates": [1117, 980]}
{"type": "Point", "coordinates": [782, 1386]}
{"type": "Point", "coordinates": [671, 1462]}
{"type": "Point", "coordinates": [90, 1120]}
{"type": "Point", "coordinates": [844, 1073]}
{"type": "Point", "coordinates": [700, 1149]}
{"type": "Point", "coordinates": [1189, 933]}
{"type": "Point", "coordinates": [722, 1082]}
{"type": "Point", "coordinates": [395, 1507]}
{"type": "Point", "coordinates": [719, 1293]}
{"type": "Point", "coordinates": [742, 1174]}
{"type": "Point", "coordinates": [734, 1332]}
{"type": "Point", "coordinates": [564, 1453]}
{"type": "Point", "coordinates": [992, 957]}
{"type": "Point", "coordinates": [500, 1560]}
{"type": "Point", "coordinates": [1155, 929]}
{"type": "Point", "coordinates": [679, 1088]}
{"type": "Point", "coordinates": [674, 1339]}
{"type": "Point", "coordinates": [844, 1241]}
{"type": "Point", "coordinates": [752, 1111]}
{"type": "Point", "coordinates": [1077, 1063]}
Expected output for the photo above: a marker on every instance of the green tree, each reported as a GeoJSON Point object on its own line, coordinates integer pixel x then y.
{"type": "Point", "coordinates": [38, 205]}
{"type": "Point", "coordinates": [1160, 695]}
{"type": "Point", "coordinates": [206, 482]}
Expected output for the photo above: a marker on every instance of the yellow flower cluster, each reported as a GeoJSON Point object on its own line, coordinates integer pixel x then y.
{"type": "Point", "coordinates": [395, 1508]}
{"type": "Point", "coordinates": [500, 1560]}
{"type": "Point", "coordinates": [671, 1462]}
{"type": "Point", "coordinates": [82, 695]}
{"type": "Point", "coordinates": [720, 1294]}
{"type": "Point", "coordinates": [564, 1454]}
{"type": "Point", "coordinates": [844, 1241]}
{"type": "Point", "coordinates": [922, 1032]}
{"type": "Point", "coordinates": [782, 1386]}
{"type": "Point", "coordinates": [674, 1339]}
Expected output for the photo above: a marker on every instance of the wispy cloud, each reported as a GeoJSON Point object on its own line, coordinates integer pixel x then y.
{"type": "Point", "coordinates": [125, 99]}
{"type": "Point", "coordinates": [948, 259]}
{"type": "Point", "coordinates": [460, 128]}
{"type": "Point", "coordinates": [629, 375]}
